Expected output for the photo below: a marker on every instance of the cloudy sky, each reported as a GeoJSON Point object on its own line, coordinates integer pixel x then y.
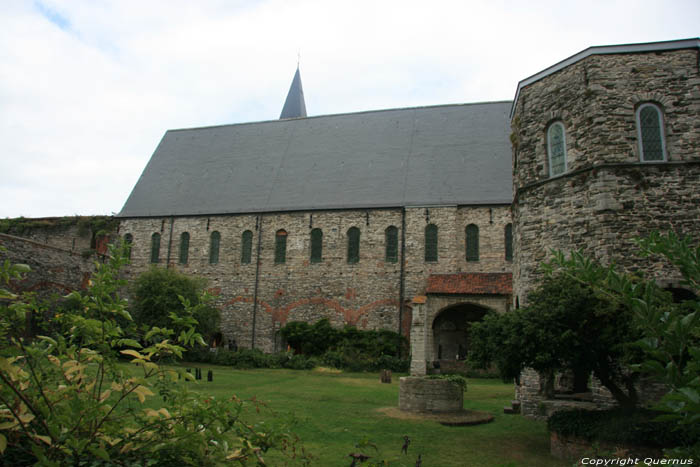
{"type": "Point", "coordinates": [87, 88]}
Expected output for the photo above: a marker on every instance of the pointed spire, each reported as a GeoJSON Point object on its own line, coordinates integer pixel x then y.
{"type": "Point", "coordinates": [294, 106]}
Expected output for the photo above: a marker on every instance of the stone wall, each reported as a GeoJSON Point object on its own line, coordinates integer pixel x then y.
{"type": "Point", "coordinates": [420, 394]}
{"type": "Point", "coordinates": [53, 270]}
{"type": "Point", "coordinates": [607, 197]}
{"type": "Point", "coordinates": [366, 294]}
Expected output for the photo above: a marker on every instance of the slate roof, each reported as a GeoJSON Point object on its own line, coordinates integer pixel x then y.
{"type": "Point", "coordinates": [294, 105]}
{"type": "Point", "coordinates": [424, 156]}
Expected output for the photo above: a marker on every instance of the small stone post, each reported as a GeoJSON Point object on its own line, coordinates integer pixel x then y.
{"type": "Point", "coordinates": [419, 338]}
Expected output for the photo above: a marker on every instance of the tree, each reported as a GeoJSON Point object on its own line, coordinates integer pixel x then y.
{"type": "Point", "coordinates": [159, 292]}
{"type": "Point", "coordinates": [670, 332]}
{"type": "Point", "coordinates": [566, 326]}
{"type": "Point", "coordinates": [65, 399]}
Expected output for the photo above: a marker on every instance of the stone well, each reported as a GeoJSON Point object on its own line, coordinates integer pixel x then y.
{"type": "Point", "coordinates": [420, 394]}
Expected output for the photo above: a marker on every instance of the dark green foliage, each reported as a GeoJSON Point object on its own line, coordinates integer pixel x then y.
{"type": "Point", "coordinates": [347, 348]}
{"type": "Point", "coordinates": [214, 247]}
{"type": "Point", "coordinates": [565, 327]}
{"type": "Point", "coordinates": [245, 359]}
{"type": "Point", "coordinates": [246, 247]}
{"type": "Point", "coordinates": [431, 242]}
{"type": "Point", "coordinates": [184, 247]}
{"type": "Point", "coordinates": [509, 242]}
{"type": "Point", "coordinates": [155, 248]}
{"type": "Point", "coordinates": [87, 225]}
{"type": "Point", "coordinates": [316, 245]}
{"type": "Point", "coordinates": [391, 239]}
{"type": "Point", "coordinates": [472, 242]}
{"type": "Point", "coordinates": [637, 427]}
{"type": "Point", "coordinates": [156, 293]}
{"type": "Point", "coordinates": [353, 245]}
{"type": "Point", "coordinates": [460, 381]}
{"type": "Point", "coordinates": [280, 247]}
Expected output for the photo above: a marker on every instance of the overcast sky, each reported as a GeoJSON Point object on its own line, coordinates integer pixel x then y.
{"type": "Point", "coordinates": [88, 88]}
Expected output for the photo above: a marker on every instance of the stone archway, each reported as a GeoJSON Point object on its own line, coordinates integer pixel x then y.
{"type": "Point", "coordinates": [451, 330]}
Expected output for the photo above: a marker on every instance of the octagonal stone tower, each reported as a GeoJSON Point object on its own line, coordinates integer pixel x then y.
{"type": "Point", "coordinates": [606, 148]}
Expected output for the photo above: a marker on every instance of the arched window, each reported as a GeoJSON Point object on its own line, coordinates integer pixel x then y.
{"type": "Point", "coordinates": [556, 148]}
{"type": "Point", "coordinates": [214, 243]}
{"type": "Point", "coordinates": [246, 247]}
{"type": "Point", "coordinates": [184, 247]}
{"type": "Point", "coordinates": [391, 241]}
{"type": "Point", "coordinates": [155, 247]}
{"type": "Point", "coordinates": [431, 242]}
{"type": "Point", "coordinates": [129, 241]}
{"type": "Point", "coordinates": [650, 126]}
{"type": "Point", "coordinates": [509, 242]}
{"type": "Point", "coordinates": [353, 245]}
{"type": "Point", "coordinates": [472, 240]}
{"type": "Point", "coordinates": [316, 246]}
{"type": "Point", "coordinates": [280, 247]}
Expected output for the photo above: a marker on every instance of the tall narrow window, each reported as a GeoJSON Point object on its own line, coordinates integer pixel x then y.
{"type": "Point", "coordinates": [280, 247]}
{"type": "Point", "coordinates": [184, 247]}
{"type": "Point", "coordinates": [353, 245]}
{"type": "Point", "coordinates": [556, 149]}
{"type": "Point", "coordinates": [214, 243]}
{"type": "Point", "coordinates": [509, 242]}
{"type": "Point", "coordinates": [129, 241]}
{"type": "Point", "coordinates": [431, 243]}
{"type": "Point", "coordinates": [246, 247]}
{"type": "Point", "coordinates": [316, 246]}
{"type": "Point", "coordinates": [472, 240]}
{"type": "Point", "coordinates": [391, 240]}
{"type": "Point", "coordinates": [155, 247]}
{"type": "Point", "coordinates": [650, 133]}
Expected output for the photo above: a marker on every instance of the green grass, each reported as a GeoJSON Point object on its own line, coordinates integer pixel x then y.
{"type": "Point", "coordinates": [336, 411]}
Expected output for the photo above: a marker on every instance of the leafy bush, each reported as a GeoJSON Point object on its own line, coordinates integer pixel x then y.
{"type": "Point", "coordinates": [638, 427]}
{"type": "Point", "coordinates": [460, 381]}
{"type": "Point", "coordinates": [66, 401]}
{"type": "Point", "coordinates": [348, 348]}
{"type": "Point", "coordinates": [160, 291]}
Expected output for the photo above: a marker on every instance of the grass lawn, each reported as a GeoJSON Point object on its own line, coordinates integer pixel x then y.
{"type": "Point", "coordinates": [337, 410]}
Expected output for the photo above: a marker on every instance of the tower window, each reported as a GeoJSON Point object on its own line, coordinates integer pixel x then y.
{"type": "Point", "coordinates": [509, 242]}
{"type": "Point", "coordinates": [391, 240]}
{"type": "Point", "coordinates": [353, 245]}
{"type": "Point", "coordinates": [280, 247]}
{"type": "Point", "coordinates": [431, 243]}
{"type": "Point", "coordinates": [184, 247]}
{"type": "Point", "coordinates": [652, 146]}
{"type": "Point", "coordinates": [556, 149]}
{"type": "Point", "coordinates": [472, 241]}
{"type": "Point", "coordinates": [214, 242]}
{"type": "Point", "coordinates": [246, 247]}
{"type": "Point", "coordinates": [129, 240]}
{"type": "Point", "coordinates": [316, 246]}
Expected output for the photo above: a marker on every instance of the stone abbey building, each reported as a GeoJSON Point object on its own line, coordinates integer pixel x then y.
{"type": "Point", "coordinates": [425, 218]}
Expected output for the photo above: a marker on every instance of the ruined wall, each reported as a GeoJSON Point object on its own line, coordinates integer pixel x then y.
{"type": "Point", "coordinates": [606, 197]}
{"type": "Point", "coordinates": [365, 294]}
{"type": "Point", "coordinates": [53, 270]}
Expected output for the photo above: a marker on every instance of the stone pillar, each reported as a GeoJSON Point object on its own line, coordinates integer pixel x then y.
{"type": "Point", "coordinates": [419, 337]}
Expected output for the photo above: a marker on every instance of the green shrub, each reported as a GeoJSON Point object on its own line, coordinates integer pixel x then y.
{"type": "Point", "coordinates": [637, 427]}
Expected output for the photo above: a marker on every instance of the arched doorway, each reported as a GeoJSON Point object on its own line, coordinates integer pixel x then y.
{"type": "Point", "coordinates": [451, 330]}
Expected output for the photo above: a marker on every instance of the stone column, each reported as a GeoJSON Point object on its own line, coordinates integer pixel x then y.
{"type": "Point", "coordinates": [419, 337]}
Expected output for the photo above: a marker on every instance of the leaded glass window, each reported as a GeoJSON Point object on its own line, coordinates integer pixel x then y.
{"type": "Point", "coordinates": [184, 247]}
{"type": "Point", "coordinates": [214, 242]}
{"type": "Point", "coordinates": [129, 240]}
{"type": "Point", "coordinates": [509, 242]}
{"type": "Point", "coordinates": [472, 241]}
{"type": "Point", "coordinates": [316, 246]}
{"type": "Point", "coordinates": [280, 247]}
{"type": "Point", "coordinates": [391, 239]}
{"type": "Point", "coordinates": [431, 242]}
{"type": "Point", "coordinates": [649, 129]}
{"type": "Point", "coordinates": [556, 147]}
{"type": "Point", "coordinates": [246, 247]}
{"type": "Point", "coordinates": [155, 247]}
{"type": "Point", "coordinates": [353, 245]}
